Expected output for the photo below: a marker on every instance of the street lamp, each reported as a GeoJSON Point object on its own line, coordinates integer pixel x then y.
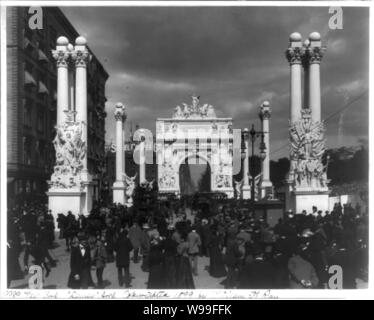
{"type": "Point", "coordinates": [254, 135]}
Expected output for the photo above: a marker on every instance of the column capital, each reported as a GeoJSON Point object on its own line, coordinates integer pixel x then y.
{"type": "Point", "coordinates": [61, 57]}
{"type": "Point", "coordinates": [295, 55]}
{"type": "Point", "coordinates": [80, 57]}
{"type": "Point", "coordinates": [315, 54]}
{"type": "Point", "coordinates": [120, 112]}
{"type": "Point", "coordinates": [265, 111]}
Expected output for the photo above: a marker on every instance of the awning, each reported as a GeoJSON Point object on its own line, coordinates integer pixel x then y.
{"type": "Point", "coordinates": [42, 56]}
{"type": "Point", "coordinates": [29, 79]}
{"type": "Point", "coordinates": [42, 88]}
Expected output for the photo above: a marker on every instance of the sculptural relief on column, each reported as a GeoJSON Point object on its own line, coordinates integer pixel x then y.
{"type": "Point", "coordinates": [307, 148]}
{"type": "Point", "coordinates": [167, 179]}
{"type": "Point", "coordinates": [70, 152]}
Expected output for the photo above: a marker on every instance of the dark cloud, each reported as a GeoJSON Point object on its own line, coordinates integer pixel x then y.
{"type": "Point", "coordinates": [233, 57]}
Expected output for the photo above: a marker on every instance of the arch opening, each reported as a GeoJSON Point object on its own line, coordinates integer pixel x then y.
{"type": "Point", "coordinates": [194, 175]}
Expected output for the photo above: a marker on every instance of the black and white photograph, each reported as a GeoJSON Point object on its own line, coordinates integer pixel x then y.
{"type": "Point", "coordinates": [185, 146]}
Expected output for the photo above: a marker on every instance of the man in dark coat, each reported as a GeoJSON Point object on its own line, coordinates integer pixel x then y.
{"type": "Point", "coordinates": [80, 265]}
{"type": "Point", "coordinates": [258, 274]}
{"type": "Point", "coordinates": [347, 260]}
{"type": "Point", "coordinates": [135, 236]}
{"type": "Point", "coordinates": [232, 261]}
{"type": "Point", "coordinates": [123, 248]}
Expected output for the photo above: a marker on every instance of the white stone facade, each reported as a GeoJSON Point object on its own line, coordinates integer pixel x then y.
{"type": "Point", "coordinates": [195, 132]}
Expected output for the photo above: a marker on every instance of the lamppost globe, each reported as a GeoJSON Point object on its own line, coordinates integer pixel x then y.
{"type": "Point", "coordinates": [243, 154]}
{"type": "Point", "coordinates": [262, 155]}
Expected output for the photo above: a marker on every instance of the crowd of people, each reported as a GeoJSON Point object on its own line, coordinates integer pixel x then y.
{"type": "Point", "coordinates": [244, 251]}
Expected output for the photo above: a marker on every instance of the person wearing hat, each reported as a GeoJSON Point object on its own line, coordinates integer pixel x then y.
{"type": "Point", "coordinates": [258, 274]}
{"type": "Point", "coordinates": [135, 236]}
{"type": "Point", "coordinates": [170, 261]}
{"type": "Point", "coordinates": [123, 247]}
{"type": "Point", "coordinates": [194, 243]}
{"type": "Point", "coordinates": [145, 247]}
{"type": "Point", "coordinates": [80, 265]}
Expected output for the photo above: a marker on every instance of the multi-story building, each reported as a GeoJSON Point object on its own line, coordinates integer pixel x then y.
{"type": "Point", "coordinates": [31, 104]}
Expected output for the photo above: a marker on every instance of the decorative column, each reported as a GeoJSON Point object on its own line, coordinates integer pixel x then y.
{"type": "Point", "coordinates": [70, 187]}
{"type": "Point", "coordinates": [80, 55]}
{"type": "Point", "coordinates": [307, 177]}
{"type": "Point", "coordinates": [246, 191]}
{"type": "Point", "coordinates": [119, 185]}
{"type": "Point", "coordinates": [294, 55]}
{"type": "Point", "coordinates": [315, 53]}
{"type": "Point", "coordinates": [142, 178]}
{"type": "Point", "coordinates": [265, 185]}
{"type": "Point", "coordinates": [305, 64]}
{"type": "Point", "coordinates": [61, 55]}
{"type": "Point", "coordinates": [71, 77]}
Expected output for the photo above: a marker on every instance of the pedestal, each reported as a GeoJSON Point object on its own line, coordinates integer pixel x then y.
{"type": "Point", "coordinates": [246, 192]}
{"type": "Point", "coordinates": [119, 189]}
{"type": "Point", "coordinates": [229, 192]}
{"type": "Point", "coordinates": [299, 200]}
{"type": "Point", "coordinates": [266, 187]}
{"type": "Point", "coordinates": [64, 200]}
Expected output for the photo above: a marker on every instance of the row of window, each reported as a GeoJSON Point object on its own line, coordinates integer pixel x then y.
{"type": "Point", "coordinates": [37, 153]}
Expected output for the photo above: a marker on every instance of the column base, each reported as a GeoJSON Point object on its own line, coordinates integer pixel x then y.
{"type": "Point", "coordinates": [64, 200]}
{"type": "Point", "coordinates": [298, 201]}
{"type": "Point", "coordinates": [266, 189]}
{"type": "Point", "coordinates": [246, 192]}
{"type": "Point", "coordinates": [119, 189]}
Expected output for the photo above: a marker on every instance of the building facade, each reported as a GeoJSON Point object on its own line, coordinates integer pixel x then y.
{"type": "Point", "coordinates": [31, 104]}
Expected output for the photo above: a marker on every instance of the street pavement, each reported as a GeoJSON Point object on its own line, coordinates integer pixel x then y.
{"type": "Point", "coordinates": [58, 277]}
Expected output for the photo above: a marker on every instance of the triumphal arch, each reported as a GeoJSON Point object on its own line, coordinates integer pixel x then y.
{"type": "Point", "coordinates": [195, 132]}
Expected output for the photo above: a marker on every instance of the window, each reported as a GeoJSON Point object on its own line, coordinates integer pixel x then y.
{"type": "Point", "coordinates": [27, 112]}
{"type": "Point", "coordinates": [26, 151]}
{"type": "Point", "coordinates": [40, 125]}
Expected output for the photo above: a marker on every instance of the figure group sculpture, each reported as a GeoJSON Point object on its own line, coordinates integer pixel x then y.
{"type": "Point", "coordinates": [307, 149]}
{"type": "Point", "coordinates": [70, 152]}
{"type": "Point", "coordinates": [167, 179]}
{"type": "Point", "coordinates": [195, 110]}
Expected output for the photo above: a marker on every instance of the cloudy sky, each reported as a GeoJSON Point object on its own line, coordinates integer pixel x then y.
{"type": "Point", "coordinates": [232, 57]}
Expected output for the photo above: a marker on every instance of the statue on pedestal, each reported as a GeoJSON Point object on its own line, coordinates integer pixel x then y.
{"type": "Point", "coordinates": [239, 188]}
{"type": "Point", "coordinates": [130, 187]}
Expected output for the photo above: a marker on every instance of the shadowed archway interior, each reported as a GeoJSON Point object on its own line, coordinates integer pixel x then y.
{"type": "Point", "coordinates": [194, 176]}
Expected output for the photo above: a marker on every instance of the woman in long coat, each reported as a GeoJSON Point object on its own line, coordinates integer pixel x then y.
{"type": "Point", "coordinates": [170, 263]}
{"type": "Point", "coordinates": [156, 262]}
{"type": "Point", "coordinates": [184, 270]}
{"type": "Point", "coordinates": [216, 267]}
{"type": "Point", "coordinates": [100, 257]}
